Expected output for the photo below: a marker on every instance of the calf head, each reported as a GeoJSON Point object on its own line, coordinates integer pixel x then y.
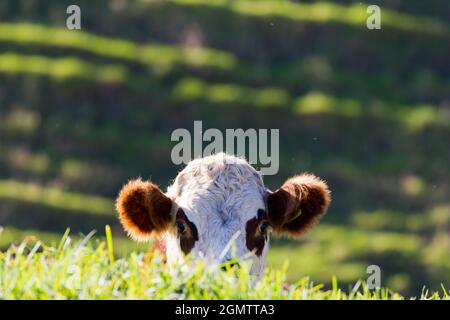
{"type": "Point", "coordinates": [216, 199]}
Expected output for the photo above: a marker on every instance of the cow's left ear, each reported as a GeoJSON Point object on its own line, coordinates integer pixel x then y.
{"type": "Point", "coordinates": [298, 204]}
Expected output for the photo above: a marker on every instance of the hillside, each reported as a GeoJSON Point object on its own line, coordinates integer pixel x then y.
{"type": "Point", "coordinates": [81, 112]}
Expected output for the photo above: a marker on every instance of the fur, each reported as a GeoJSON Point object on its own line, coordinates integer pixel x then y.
{"type": "Point", "coordinates": [221, 196]}
{"type": "Point", "coordinates": [143, 209]}
{"type": "Point", "coordinates": [298, 205]}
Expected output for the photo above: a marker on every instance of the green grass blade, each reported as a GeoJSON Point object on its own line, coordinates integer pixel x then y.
{"type": "Point", "coordinates": [109, 242]}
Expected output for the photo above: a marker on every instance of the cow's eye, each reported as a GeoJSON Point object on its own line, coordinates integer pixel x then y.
{"type": "Point", "coordinates": [263, 227]}
{"type": "Point", "coordinates": [181, 227]}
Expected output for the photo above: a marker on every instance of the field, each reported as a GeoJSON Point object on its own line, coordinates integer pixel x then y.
{"type": "Point", "coordinates": [83, 111]}
{"type": "Point", "coordinates": [87, 269]}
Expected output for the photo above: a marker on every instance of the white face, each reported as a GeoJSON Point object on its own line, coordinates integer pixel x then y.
{"type": "Point", "coordinates": [218, 198]}
{"type": "Point", "coordinates": [218, 208]}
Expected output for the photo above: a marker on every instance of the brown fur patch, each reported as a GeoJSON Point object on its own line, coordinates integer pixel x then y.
{"type": "Point", "coordinates": [254, 240]}
{"type": "Point", "coordinates": [190, 235]}
{"type": "Point", "coordinates": [143, 209]}
{"type": "Point", "coordinates": [298, 204]}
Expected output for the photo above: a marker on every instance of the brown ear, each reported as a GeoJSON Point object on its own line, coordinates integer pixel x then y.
{"type": "Point", "coordinates": [298, 204]}
{"type": "Point", "coordinates": [143, 209]}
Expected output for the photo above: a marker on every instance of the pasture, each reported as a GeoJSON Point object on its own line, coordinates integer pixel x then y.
{"type": "Point", "coordinates": [83, 111]}
{"type": "Point", "coordinates": [88, 269]}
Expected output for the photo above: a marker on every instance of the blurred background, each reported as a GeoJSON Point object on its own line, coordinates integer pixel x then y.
{"type": "Point", "coordinates": [83, 111]}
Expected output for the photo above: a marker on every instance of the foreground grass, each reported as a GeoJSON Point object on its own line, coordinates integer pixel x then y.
{"type": "Point", "coordinates": [87, 269]}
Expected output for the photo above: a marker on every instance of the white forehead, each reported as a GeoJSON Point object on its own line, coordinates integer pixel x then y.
{"type": "Point", "coordinates": [221, 184]}
{"type": "Point", "coordinates": [219, 194]}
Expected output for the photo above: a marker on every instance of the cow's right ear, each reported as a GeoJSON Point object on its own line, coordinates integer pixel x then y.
{"type": "Point", "coordinates": [144, 209]}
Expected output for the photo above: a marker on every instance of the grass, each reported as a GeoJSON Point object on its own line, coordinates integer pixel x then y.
{"type": "Point", "coordinates": [413, 117]}
{"type": "Point", "coordinates": [55, 198]}
{"type": "Point", "coordinates": [153, 55]}
{"type": "Point", "coordinates": [317, 71]}
{"type": "Point", "coordinates": [86, 110]}
{"type": "Point", "coordinates": [13, 236]}
{"type": "Point", "coordinates": [62, 68]}
{"type": "Point", "coordinates": [417, 240]}
{"type": "Point", "coordinates": [195, 89]}
{"type": "Point", "coordinates": [321, 12]}
{"type": "Point", "coordinates": [88, 269]}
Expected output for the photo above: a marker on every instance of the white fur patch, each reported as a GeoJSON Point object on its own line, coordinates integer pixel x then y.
{"type": "Point", "coordinates": [219, 194]}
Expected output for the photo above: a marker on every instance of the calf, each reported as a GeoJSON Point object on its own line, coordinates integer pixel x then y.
{"type": "Point", "coordinates": [214, 198]}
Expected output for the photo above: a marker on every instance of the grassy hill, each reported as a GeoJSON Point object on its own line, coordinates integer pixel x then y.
{"type": "Point", "coordinates": [88, 269]}
{"type": "Point", "coordinates": [81, 112]}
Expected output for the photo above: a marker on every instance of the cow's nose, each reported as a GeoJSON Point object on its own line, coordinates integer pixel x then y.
{"type": "Point", "coordinates": [230, 264]}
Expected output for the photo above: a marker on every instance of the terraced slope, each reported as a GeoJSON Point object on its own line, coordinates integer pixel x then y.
{"type": "Point", "coordinates": [83, 111]}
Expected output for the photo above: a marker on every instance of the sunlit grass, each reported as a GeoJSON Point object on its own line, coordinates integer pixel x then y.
{"type": "Point", "coordinates": [437, 217]}
{"type": "Point", "coordinates": [322, 12]}
{"type": "Point", "coordinates": [55, 198]}
{"type": "Point", "coordinates": [316, 103]}
{"type": "Point", "coordinates": [20, 158]}
{"type": "Point", "coordinates": [60, 68]}
{"type": "Point", "coordinates": [390, 94]}
{"type": "Point", "coordinates": [71, 169]}
{"type": "Point", "coordinates": [363, 242]}
{"type": "Point", "coordinates": [15, 236]}
{"type": "Point", "coordinates": [412, 117]}
{"type": "Point", "coordinates": [192, 89]}
{"type": "Point", "coordinates": [158, 56]}
{"type": "Point", "coordinates": [345, 249]}
{"type": "Point", "coordinates": [20, 120]}
{"type": "Point", "coordinates": [88, 269]}
{"type": "Point", "coordinates": [162, 58]}
{"type": "Point", "coordinates": [329, 251]}
{"type": "Point", "coordinates": [346, 252]}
